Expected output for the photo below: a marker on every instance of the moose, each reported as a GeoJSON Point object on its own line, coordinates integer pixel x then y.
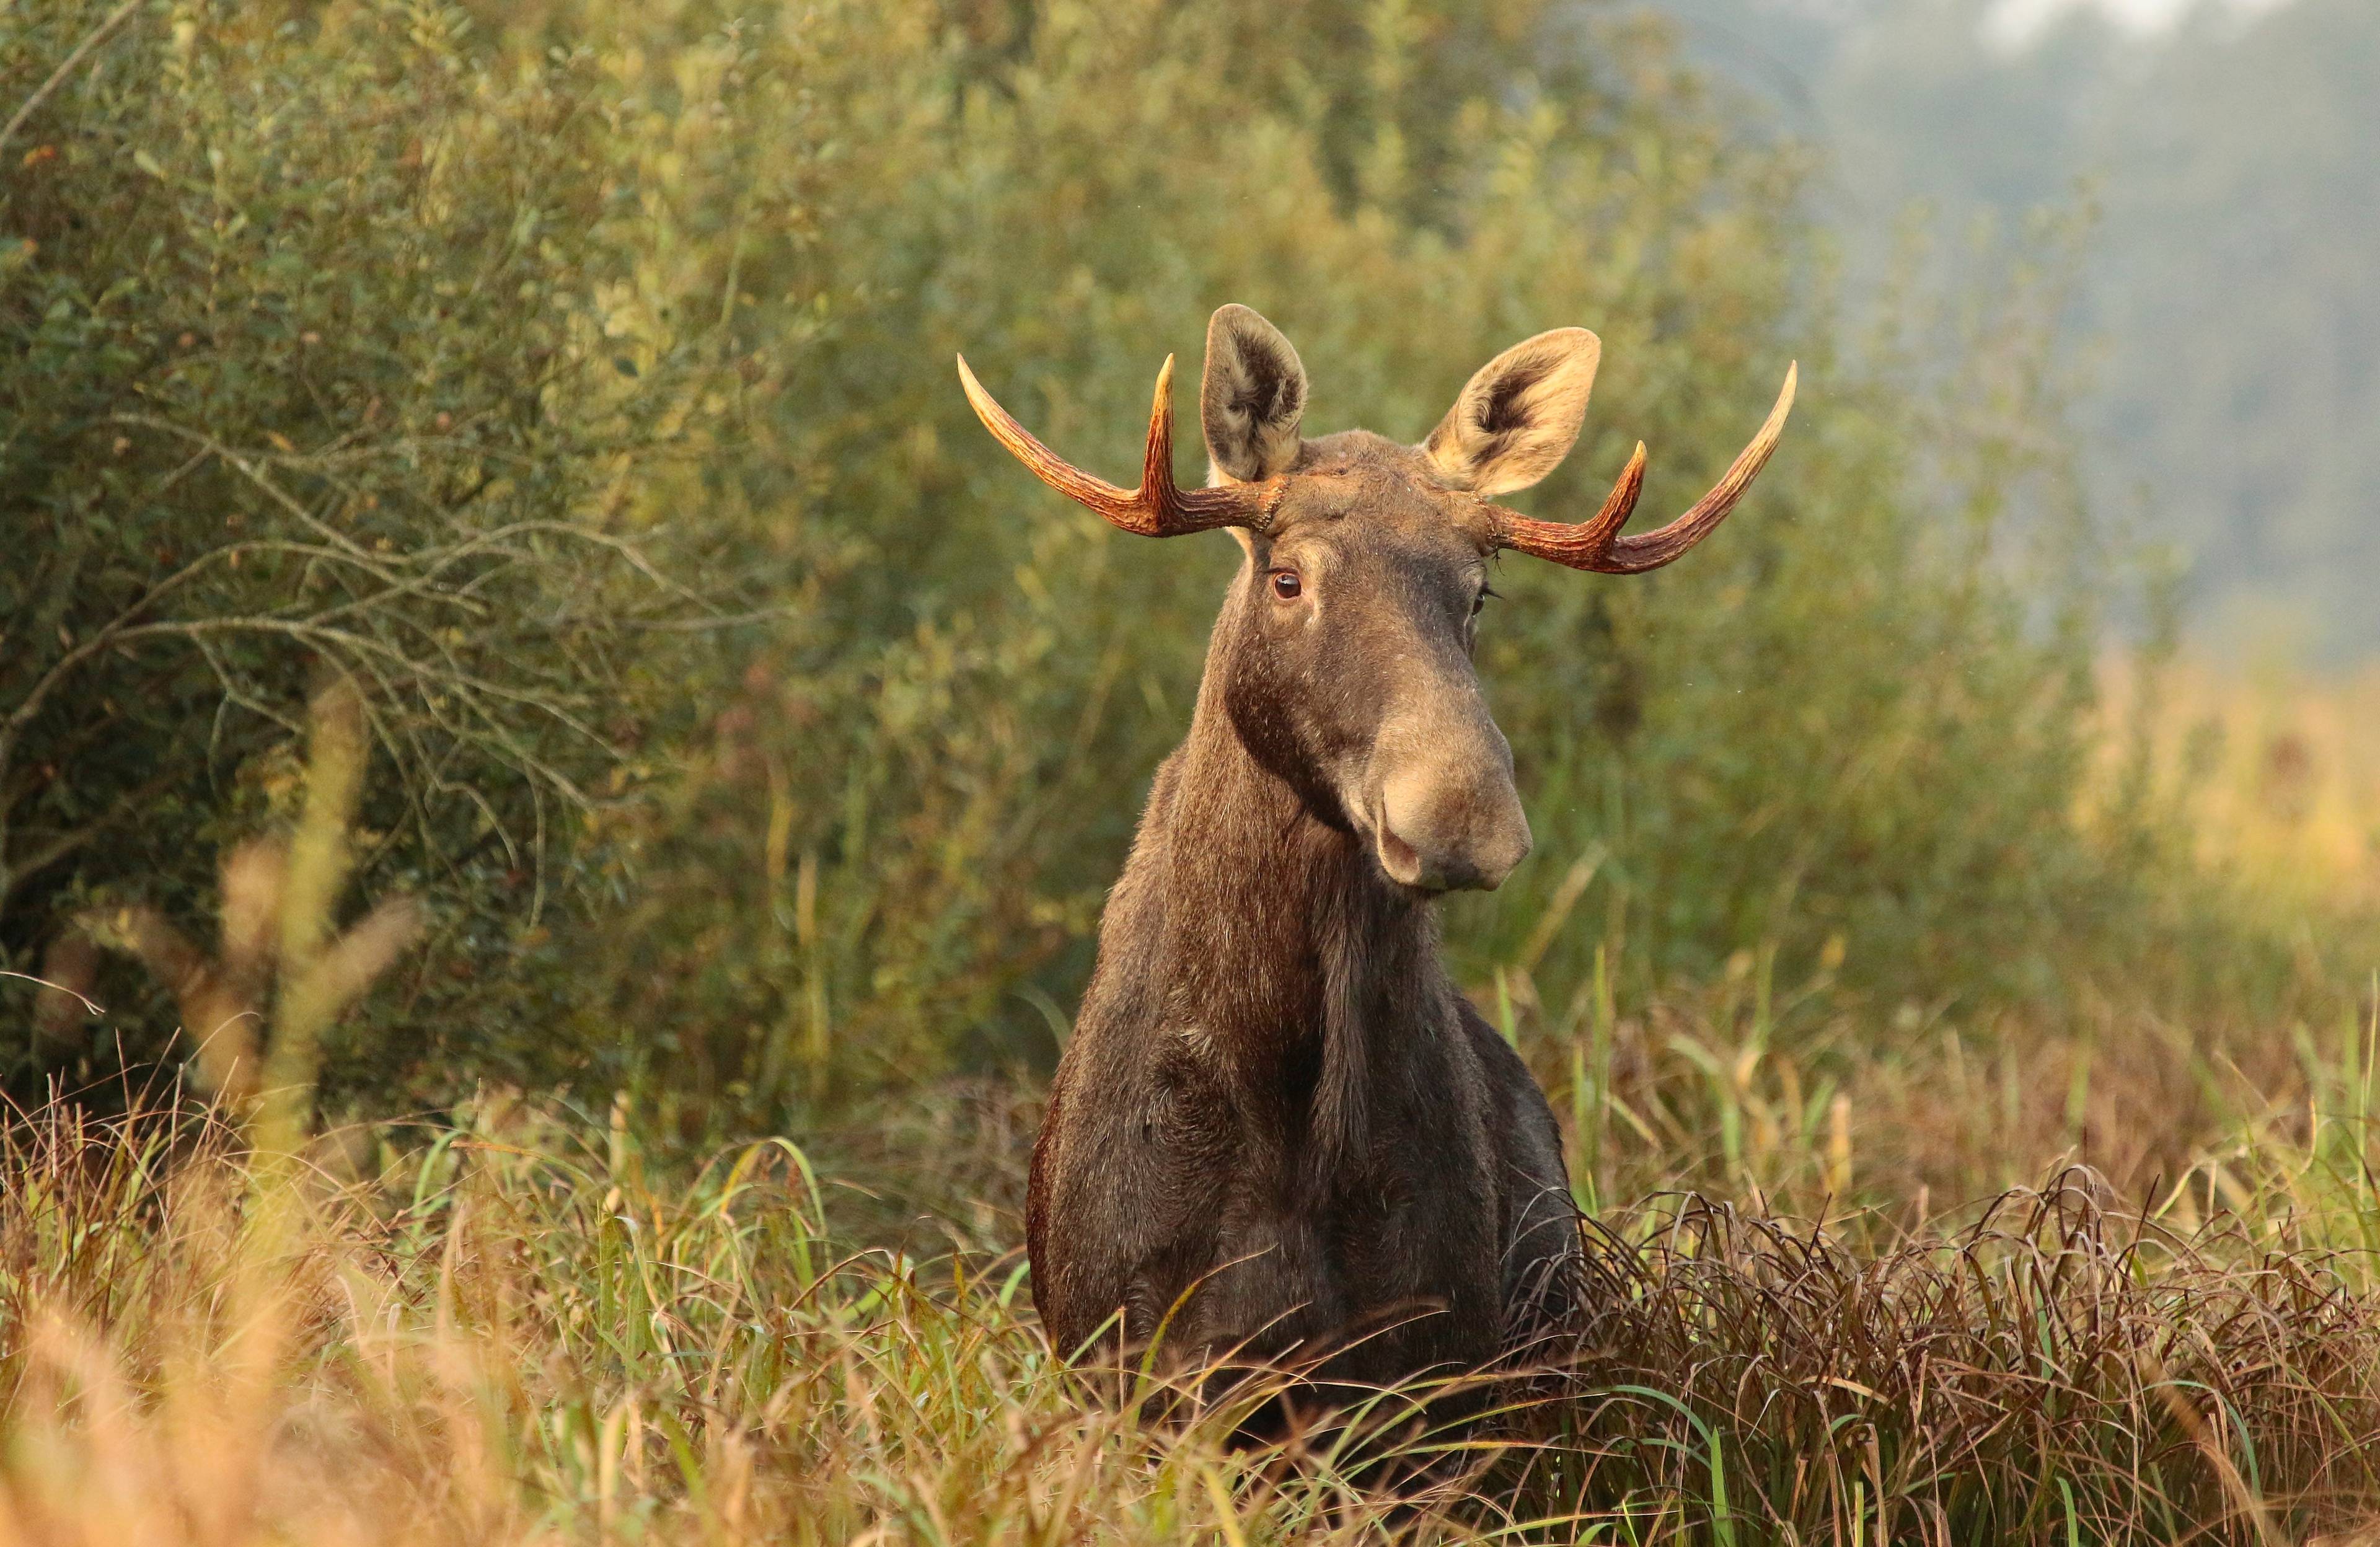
{"type": "Point", "coordinates": [1279, 1134]}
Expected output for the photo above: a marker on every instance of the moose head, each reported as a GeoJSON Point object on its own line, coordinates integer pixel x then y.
{"type": "Point", "coordinates": [1344, 649]}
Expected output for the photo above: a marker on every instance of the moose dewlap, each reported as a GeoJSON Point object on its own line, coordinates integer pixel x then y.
{"type": "Point", "coordinates": [1279, 1132]}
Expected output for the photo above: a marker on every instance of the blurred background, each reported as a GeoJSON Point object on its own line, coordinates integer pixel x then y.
{"type": "Point", "coordinates": [575, 377]}
{"type": "Point", "coordinates": [2219, 153]}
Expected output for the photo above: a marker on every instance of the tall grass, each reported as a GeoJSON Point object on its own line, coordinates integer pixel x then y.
{"type": "Point", "coordinates": [517, 1323]}
{"type": "Point", "coordinates": [517, 1326]}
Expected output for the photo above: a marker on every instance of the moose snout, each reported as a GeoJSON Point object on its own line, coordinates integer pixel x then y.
{"type": "Point", "coordinates": [1446, 827]}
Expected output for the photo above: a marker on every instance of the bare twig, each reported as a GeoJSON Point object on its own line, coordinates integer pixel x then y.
{"type": "Point", "coordinates": [381, 615]}
{"type": "Point", "coordinates": [89, 1008]}
{"type": "Point", "coordinates": [249, 470]}
{"type": "Point", "coordinates": [98, 35]}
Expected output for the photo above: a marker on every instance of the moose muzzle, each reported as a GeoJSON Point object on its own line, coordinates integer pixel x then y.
{"type": "Point", "coordinates": [1442, 811]}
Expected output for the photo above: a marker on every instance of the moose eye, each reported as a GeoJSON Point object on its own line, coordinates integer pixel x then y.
{"type": "Point", "coordinates": [1480, 601]}
{"type": "Point", "coordinates": [1286, 585]}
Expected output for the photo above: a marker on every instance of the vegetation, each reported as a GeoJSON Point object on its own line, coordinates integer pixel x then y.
{"type": "Point", "coordinates": [617, 326]}
{"type": "Point", "coordinates": [312, 368]}
{"type": "Point", "coordinates": [520, 1325]}
{"type": "Point", "coordinates": [715, 737]}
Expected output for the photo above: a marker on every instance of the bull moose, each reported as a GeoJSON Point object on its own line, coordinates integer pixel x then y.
{"type": "Point", "coordinates": [1278, 1131]}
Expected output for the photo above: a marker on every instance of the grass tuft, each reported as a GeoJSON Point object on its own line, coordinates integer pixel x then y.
{"type": "Point", "coordinates": [2053, 1365]}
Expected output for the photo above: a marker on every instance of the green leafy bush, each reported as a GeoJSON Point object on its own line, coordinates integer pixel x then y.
{"type": "Point", "coordinates": [1856, 731]}
{"type": "Point", "coordinates": [433, 327]}
{"type": "Point", "coordinates": [322, 356]}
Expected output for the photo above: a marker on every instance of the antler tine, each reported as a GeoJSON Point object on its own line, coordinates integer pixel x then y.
{"type": "Point", "coordinates": [1158, 508]}
{"type": "Point", "coordinates": [1582, 544]}
{"type": "Point", "coordinates": [1634, 556]}
{"type": "Point", "coordinates": [1598, 546]}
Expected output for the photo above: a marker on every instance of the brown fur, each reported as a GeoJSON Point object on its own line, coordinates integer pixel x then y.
{"type": "Point", "coordinates": [1278, 1129]}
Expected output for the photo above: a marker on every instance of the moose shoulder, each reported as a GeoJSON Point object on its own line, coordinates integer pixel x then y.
{"type": "Point", "coordinates": [1279, 1131]}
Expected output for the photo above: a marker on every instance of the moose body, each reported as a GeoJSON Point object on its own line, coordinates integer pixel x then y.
{"type": "Point", "coordinates": [1279, 1133]}
{"type": "Point", "coordinates": [1275, 1097]}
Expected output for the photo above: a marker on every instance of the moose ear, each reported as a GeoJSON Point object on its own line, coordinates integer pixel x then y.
{"type": "Point", "coordinates": [1252, 396]}
{"type": "Point", "coordinates": [1517, 417]}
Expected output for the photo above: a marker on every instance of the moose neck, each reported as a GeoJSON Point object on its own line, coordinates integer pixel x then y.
{"type": "Point", "coordinates": [1284, 944]}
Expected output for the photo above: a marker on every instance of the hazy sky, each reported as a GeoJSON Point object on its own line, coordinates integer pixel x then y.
{"type": "Point", "coordinates": [2018, 20]}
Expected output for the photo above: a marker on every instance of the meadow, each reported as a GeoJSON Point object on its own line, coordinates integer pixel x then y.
{"type": "Point", "coordinates": [523, 637]}
{"type": "Point", "coordinates": [1817, 1315]}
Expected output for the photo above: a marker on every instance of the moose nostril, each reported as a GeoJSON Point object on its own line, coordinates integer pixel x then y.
{"type": "Point", "coordinates": [1399, 857]}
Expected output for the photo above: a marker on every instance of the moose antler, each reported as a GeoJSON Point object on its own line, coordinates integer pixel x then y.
{"type": "Point", "coordinates": [1158, 508]}
{"type": "Point", "coordinates": [1596, 544]}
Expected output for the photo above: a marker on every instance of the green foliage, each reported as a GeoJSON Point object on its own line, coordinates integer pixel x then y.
{"type": "Point", "coordinates": [1860, 716]}
{"type": "Point", "coordinates": [320, 358]}
{"type": "Point", "coordinates": [416, 326]}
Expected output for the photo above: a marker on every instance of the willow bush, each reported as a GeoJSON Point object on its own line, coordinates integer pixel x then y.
{"type": "Point", "coordinates": [1851, 739]}
{"type": "Point", "coordinates": [577, 376]}
{"type": "Point", "coordinates": [322, 359]}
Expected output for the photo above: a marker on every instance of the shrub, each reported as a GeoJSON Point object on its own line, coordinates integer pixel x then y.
{"type": "Point", "coordinates": [1857, 733]}
{"type": "Point", "coordinates": [524, 296]}
{"type": "Point", "coordinates": [322, 354]}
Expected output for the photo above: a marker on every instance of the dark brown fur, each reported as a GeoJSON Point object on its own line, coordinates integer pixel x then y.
{"type": "Point", "coordinates": [1280, 1130]}
{"type": "Point", "coordinates": [1279, 1134]}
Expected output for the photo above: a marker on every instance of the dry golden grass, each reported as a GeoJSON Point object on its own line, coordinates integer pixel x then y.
{"type": "Point", "coordinates": [515, 1328]}
{"type": "Point", "coordinates": [514, 1325]}
{"type": "Point", "coordinates": [2278, 773]}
